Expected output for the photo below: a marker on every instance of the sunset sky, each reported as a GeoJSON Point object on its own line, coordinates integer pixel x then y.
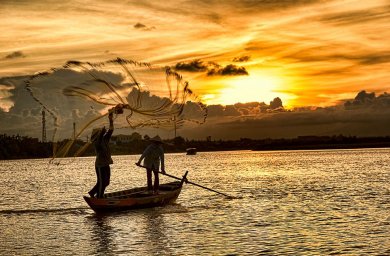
{"type": "Point", "coordinates": [306, 52]}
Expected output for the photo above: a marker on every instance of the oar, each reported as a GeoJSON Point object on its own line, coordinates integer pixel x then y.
{"type": "Point", "coordinates": [189, 182]}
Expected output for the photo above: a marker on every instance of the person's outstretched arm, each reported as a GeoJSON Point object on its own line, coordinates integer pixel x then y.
{"type": "Point", "coordinates": [107, 136]}
{"type": "Point", "coordinates": [145, 153]}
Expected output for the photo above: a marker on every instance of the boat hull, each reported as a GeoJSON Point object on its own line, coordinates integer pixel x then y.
{"type": "Point", "coordinates": [191, 151]}
{"type": "Point", "coordinates": [135, 198]}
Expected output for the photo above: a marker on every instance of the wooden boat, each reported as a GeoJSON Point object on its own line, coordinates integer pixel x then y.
{"type": "Point", "coordinates": [191, 151]}
{"type": "Point", "coordinates": [136, 198]}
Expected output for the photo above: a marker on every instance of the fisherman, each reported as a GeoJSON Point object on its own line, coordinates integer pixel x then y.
{"type": "Point", "coordinates": [153, 155]}
{"type": "Point", "coordinates": [100, 138]}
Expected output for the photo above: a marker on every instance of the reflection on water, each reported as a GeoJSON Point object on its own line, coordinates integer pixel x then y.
{"type": "Point", "coordinates": [155, 232]}
{"type": "Point", "coordinates": [289, 203]}
{"type": "Point", "coordinates": [103, 233]}
{"type": "Point", "coordinates": [145, 230]}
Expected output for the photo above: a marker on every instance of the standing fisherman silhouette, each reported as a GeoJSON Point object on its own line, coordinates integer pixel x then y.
{"type": "Point", "coordinates": [100, 139]}
{"type": "Point", "coordinates": [153, 155]}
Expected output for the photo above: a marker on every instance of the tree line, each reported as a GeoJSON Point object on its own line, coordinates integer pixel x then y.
{"type": "Point", "coordinates": [19, 147]}
{"type": "Point", "coordinates": [22, 147]}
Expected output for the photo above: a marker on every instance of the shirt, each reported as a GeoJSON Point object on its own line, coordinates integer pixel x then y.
{"type": "Point", "coordinates": [153, 154]}
{"type": "Point", "coordinates": [102, 149]}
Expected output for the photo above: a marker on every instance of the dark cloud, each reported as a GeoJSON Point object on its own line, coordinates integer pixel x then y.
{"type": "Point", "coordinates": [223, 111]}
{"type": "Point", "coordinates": [369, 111]}
{"type": "Point", "coordinates": [321, 122]}
{"type": "Point", "coordinates": [13, 123]}
{"type": "Point", "coordinates": [276, 103]}
{"type": "Point", "coordinates": [367, 100]}
{"type": "Point", "coordinates": [212, 68]}
{"type": "Point", "coordinates": [25, 116]}
{"type": "Point", "coordinates": [26, 113]}
{"type": "Point", "coordinates": [375, 58]}
{"type": "Point", "coordinates": [229, 70]}
{"type": "Point", "coordinates": [364, 100]}
{"type": "Point", "coordinates": [249, 108]}
{"type": "Point", "coordinates": [230, 110]}
{"type": "Point", "coordinates": [192, 111]}
{"type": "Point", "coordinates": [241, 59]}
{"type": "Point", "coordinates": [367, 114]}
{"type": "Point", "coordinates": [193, 66]}
{"type": "Point", "coordinates": [34, 111]}
{"type": "Point", "coordinates": [247, 105]}
{"type": "Point", "coordinates": [143, 27]}
{"type": "Point", "coordinates": [139, 25]}
{"type": "Point", "coordinates": [14, 55]}
{"type": "Point", "coordinates": [215, 110]}
{"type": "Point", "coordinates": [364, 97]}
{"type": "Point", "coordinates": [9, 91]}
{"type": "Point", "coordinates": [69, 95]}
{"type": "Point", "coordinates": [245, 109]}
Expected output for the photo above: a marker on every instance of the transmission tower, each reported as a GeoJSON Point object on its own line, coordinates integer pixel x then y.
{"type": "Point", "coordinates": [43, 126]}
{"type": "Point", "coordinates": [74, 130]}
{"type": "Point", "coordinates": [174, 124]}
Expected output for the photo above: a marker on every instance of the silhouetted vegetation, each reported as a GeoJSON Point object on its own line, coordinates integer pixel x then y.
{"type": "Point", "coordinates": [18, 147]}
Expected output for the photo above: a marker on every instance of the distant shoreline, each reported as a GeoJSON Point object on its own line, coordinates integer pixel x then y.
{"type": "Point", "coordinates": [208, 151]}
{"type": "Point", "coordinates": [319, 147]}
{"type": "Point", "coordinates": [16, 147]}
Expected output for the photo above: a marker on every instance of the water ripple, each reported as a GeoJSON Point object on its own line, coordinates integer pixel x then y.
{"type": "Point", "coordinates": [328, 202]}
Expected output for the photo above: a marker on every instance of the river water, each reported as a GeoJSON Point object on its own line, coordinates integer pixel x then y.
{"type": "Point", "coordinates": [325, 202]}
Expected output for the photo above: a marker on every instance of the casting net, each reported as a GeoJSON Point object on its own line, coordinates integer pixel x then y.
{"type": "Point", "coordinates": [78, 96]}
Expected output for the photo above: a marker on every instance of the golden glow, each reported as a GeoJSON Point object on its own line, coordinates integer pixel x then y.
{"type": "Point", "coordinates": [208, 97]}
{"type": "Point", "coordinates": [256, 87]}
{"type": "Point", "coordinates": [328, 49]}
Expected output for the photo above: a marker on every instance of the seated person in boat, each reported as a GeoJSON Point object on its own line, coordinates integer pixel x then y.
{"type": "Point", "coordinates": [152, 156]}
{"type": "Point", "coordinates": [100, 138]}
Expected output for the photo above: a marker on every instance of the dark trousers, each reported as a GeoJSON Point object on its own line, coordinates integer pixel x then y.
{"type": "Point", "coordinates": [149, 178]}
{"type": "Point", "coordinates": [103, 180]}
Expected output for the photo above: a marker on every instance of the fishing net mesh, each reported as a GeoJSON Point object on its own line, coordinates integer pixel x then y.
{"type": "Point", "coordinates": [138, 94]}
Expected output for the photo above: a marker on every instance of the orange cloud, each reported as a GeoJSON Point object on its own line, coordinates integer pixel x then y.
{"type": "Point", "coordinates": [322, 50]}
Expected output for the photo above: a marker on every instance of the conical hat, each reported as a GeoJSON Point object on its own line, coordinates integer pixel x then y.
{"type": "Point", "coordinates": [95, 133]}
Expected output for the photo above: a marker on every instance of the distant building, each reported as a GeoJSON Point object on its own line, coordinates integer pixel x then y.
{"type": "Point", "coordinates": [122, 138]}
